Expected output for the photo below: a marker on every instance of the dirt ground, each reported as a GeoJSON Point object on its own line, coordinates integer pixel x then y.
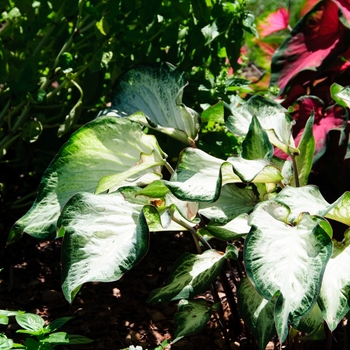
{"type": "Point", "coordinates": [115, 315]}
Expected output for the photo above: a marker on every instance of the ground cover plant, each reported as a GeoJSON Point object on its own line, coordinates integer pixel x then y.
{"type": "Point", "coordinates": [112, 185]}
{"type": "Point", "coordinates": [34, 326]}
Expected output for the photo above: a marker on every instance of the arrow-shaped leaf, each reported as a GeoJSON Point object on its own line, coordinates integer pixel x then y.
{"type": "Point", "coordinates": [199, 176]}
{"type": "Point", "coordinates": [191, 318]}
{"type": "Point", "coordinates": [257, 312]}
{"type": "Point", "coordinates": [272, 117]}
{"type": "Point", "coordinates": [103, 147]}
{"type": "Point", "coordinates": [156, 91]}
{"type": "Point", "coordinates": [334, 297]}
{"type": "Point", "coordinates": [288, 259]}
{"type": "Point", "coordinates": [192, 274]}
{"type": "Point", "coordinates": [105, 236]}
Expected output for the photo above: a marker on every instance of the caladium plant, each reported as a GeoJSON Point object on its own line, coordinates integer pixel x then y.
{"type": "Point", "coordinates": [314, 56]}
{"type": "Point", "coordinates": [108, 189]}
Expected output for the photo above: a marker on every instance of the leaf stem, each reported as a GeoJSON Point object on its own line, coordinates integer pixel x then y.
{"type": "Point", "coordinates": [193, 231]}
{"type": "Point", "coordinates": [169, 168]}
{"type": "Point", "coordinates": [296, 173]}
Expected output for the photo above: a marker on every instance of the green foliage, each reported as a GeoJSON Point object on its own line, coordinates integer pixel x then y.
{"type": "Point", "coordinates": [46, 336]}
{"type": "Point", "coordinates": [241, 172]}
{"type": "Point", "coordinates": [109, 192]}
{"type": "Point", "coordinates": [59, 60]}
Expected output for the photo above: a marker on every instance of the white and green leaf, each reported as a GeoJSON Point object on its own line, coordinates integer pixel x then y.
{"type": "Point", "coordinates": [340, 209]}
{"type": "Point", "coordinates": [199, 176]}
{"type": "Point", "coordinates": [232, 202]}
{"type": "Point", "coordinates": [272, 117]}
{"type": "Point", "coordinates": [234, 229]}
{"type": "Point", "coordinates": [104, 147]}
{"type": "Point", "coordinates": [288, 259]}
{"type": "Point", "coordinates": [341, 95]}
{"type": "Point", "coordinates": [256, 144]}
{"type": "Point", "coordinates": [257, 312]}
{"type": "Point", "coordinates": [334, 296]}
{"type": "Point", "coordinates": [152, 96]}
{"type": "Point", "coordinates": [192, 274]}
{"type": "Point", "coordinates": [105, 236]}
{"type": "Point", "coordinates": [306, 199]}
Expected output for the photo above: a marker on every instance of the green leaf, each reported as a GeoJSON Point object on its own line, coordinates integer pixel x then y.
{"type": "Point", "coordinates": [311, 322]}
{"type": "Point", "coordinates": [156, 91]}
{"type": "Point", "coordinates": [56, 338]}
{"type": "Point", "coordinates": [105, 236]}
{"type": "Point", "coordinates": [272, 117]}
{"type": "Point", "coordinates": [232, 202]}
{"type": "Point", "coordinates": [234, 229]}
{"type": "Point", "coordinates": [5, 314]}
{"type": "Point", "coordinates": [78, 339]}
{"type": "Point", "coordinates": [192, 274]}
{"type": "Point", "coordinates": [156, 189]}
{"type": "Point", "coordinates": [103, 147]}
{"type": "Point", "coordinates": [214, 114]}
{"type": "Point", "coordinates": [58, 323]}
{"type": "Point", "coordinates": [31, 131]}
{"type": "Point", "coordinates": [191, 318]}
{"type": "Point", "coordinates": [102, 26]}
{"type": "Point", "coordinates": [32, 324]}
{"type": "Point", "coordinates": [341, 95]}
{"type": "Point", "coordinates": [339, 210]}
{"type": "Point", "coordinates": [306, 148]}
{"type": "Point", "coordinates": [5, 343]}
{"type": "Point", "coordinates": [256, 144]}
{"type": "Point", "coordinates": [210, 32]}
{"type": "Point", "coordinates": [287, 259]}
{"type": "Point", "coordinates": [257, 312]}
{"type": "Point", "coordinates": [334, 297]}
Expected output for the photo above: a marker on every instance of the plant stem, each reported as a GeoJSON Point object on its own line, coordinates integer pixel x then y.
{"type": "Point", "coordinates": [44, 39]}
{"type": "Point", "coordinates": [169, 168]}
{"type": "Point", "coordinates": [295, 169]}
{"type": "Point", "coordinates": [4, 111]}
{"type": "Point", "coordinates": [193, 231]}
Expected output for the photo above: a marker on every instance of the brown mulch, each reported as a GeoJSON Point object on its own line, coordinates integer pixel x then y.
{"type": "Point", "coordinates": [115, 315]}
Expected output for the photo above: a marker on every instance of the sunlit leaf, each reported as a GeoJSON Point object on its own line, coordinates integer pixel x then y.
{"type": "Point", "coordinates": [199, 176]}
{"type": "Point", "coordinates": [334, 297]}
{"type": "Point", "coordinates": [339, 210]}
{"type": "Point", "coordinates": [156, 91]}
{"type": "Point", "coordinates": [103, 147]}
{"type": "Point", "coordinates": [105, 236]}
{"type": "Point", "coordinates": [232, 202]}
{"type": "Point", "coordinates": [287, 260]}
{"type": "Point", "coordinates": [272, 117]}
{"type": "Point", "coordinates": [273, 21]}
{"type": "Point", "coordinates": [31, 323]}
{"type": "Point", "coordinates": [306, 199]}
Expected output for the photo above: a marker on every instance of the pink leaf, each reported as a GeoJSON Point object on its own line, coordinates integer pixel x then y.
{"type": "Point", "coordinates": [273, 22]}
{"type": "Point", "coordinates": [317, 39]}
{"type": "Point", "coordinates": [326, 119]}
